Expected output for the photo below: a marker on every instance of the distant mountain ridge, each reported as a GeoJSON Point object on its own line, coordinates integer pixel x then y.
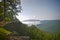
{"type": "Point", "coordinates": [31, 20]}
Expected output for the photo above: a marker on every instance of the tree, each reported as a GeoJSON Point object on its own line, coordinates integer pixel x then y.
{"type": "Point", "coordinates": [57, 36]}
{"type": "Point", "coordinates": [1, 10]}
{"type": "Point", "coordinates": [9, 9]}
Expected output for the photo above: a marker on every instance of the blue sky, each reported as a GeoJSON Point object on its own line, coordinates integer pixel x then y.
{"type": "Point", "coordinates": [40, 9]}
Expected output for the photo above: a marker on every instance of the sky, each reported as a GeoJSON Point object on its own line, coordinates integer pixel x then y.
{"type": "Point", "coordinates": [0, 0]}
{"type": "Point", "coordinates": [40, 9]}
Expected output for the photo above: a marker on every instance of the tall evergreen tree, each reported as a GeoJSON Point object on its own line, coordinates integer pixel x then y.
{"type": "Point", "coordinates": [9, 9]}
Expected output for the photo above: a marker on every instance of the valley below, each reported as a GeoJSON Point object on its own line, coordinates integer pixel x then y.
{"type": "Point", "coordinates": [51, 26]}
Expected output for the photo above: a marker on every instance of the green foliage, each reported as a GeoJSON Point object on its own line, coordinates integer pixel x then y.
{"type": "Point", "coordinates": [1, 7]}
{"type": "Point", "coordinates": [57, 36]}
{"type": "Point", "coordinates": [1, 17]}
{"type": "Point", "coordinates": [3, 33]}
{"type": "Point", "coordinates": [8, 8]}
{"type": "Point", "coordinates": [32, 31]}
{"type": "Point", "coordinates": [6, 32]}
{"type": "Point", "coordinates": [1, 11]}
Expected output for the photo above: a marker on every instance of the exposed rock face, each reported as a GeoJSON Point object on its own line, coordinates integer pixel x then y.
{"type": "Point", "coordinates": [19, 38]}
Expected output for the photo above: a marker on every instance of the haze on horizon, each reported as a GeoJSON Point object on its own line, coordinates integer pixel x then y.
{"type": "Point", "coordinates": [40, 9]}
